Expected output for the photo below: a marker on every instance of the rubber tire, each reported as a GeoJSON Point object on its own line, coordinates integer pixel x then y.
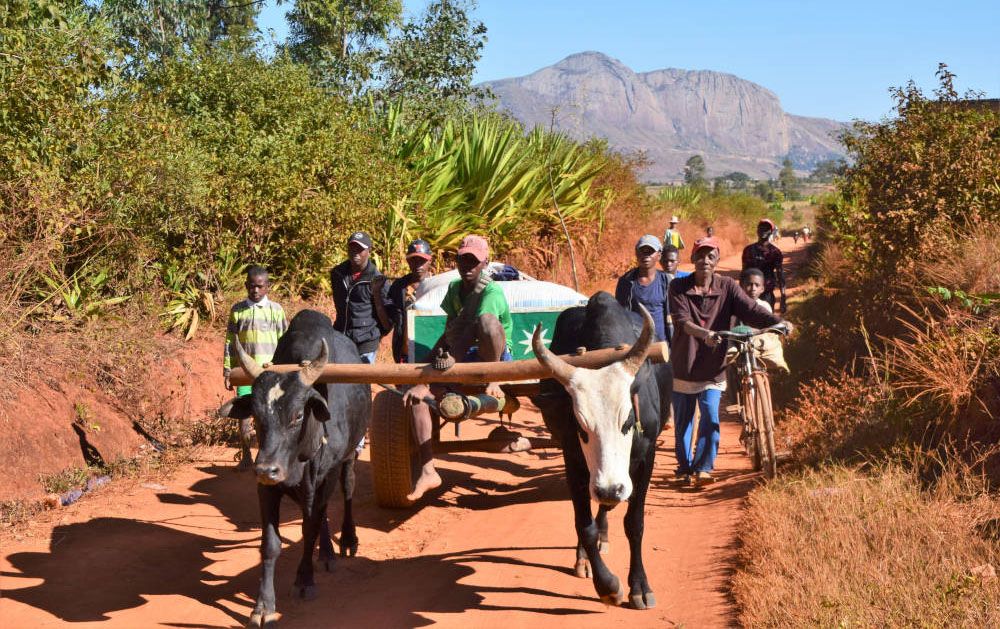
{"type": "Point", "coordinates": [395, 464]}
{"type": "Point", "coordinates": [765, 415]}
{"type": "Point", "coordinates": [752, 409]}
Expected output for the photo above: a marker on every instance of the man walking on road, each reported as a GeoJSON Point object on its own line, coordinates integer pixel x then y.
{"type": "Point", "coordinates": [768, 258]}
{"type": "Point", "coordinates": [701, 305]}
{"type": "Point", "coordinates": [353, 282]}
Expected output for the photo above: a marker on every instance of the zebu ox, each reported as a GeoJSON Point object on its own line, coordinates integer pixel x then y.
{"type": "Point", "coordinates": [307, 434]}
{"type": "Point", "coordinates": [608, 420]}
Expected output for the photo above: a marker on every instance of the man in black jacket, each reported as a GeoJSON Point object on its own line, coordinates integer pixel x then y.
{"type": "Point", "coordinates": [354, 283]}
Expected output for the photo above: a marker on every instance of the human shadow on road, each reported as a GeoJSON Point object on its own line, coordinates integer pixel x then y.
{"type": "Point", "coordinates": [107, 565]}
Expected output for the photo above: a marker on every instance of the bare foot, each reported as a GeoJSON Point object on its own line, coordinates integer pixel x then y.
{"type": "Point", "coordinates": [428, 480]}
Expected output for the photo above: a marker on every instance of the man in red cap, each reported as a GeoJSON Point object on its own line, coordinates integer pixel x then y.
{"type": "Point", "coordinates": [478, 328]}
{"type": "Point", "coordinates": [768, 258]}
{"type": "Point", "coordinates": [701, 305]}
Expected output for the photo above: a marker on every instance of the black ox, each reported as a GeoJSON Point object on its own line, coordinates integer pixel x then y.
{"type": "Point", "coordinates": [307, 434]}
{"type": "Point", "coordinates": [607, 420]}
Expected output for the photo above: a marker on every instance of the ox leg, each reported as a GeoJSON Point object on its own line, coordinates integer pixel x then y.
{"type": "Point", "coordinates": [608, 586]}
{"type": "Point", "coordinates": [312, 522]}
{"type": "Point", "coordinates": [326, 554]}
{"type": "Point", "coordinates": [263, 614]}
{"type": "Point", "coordinates": [602, 530]}
{"type": "Point", "coordinates": [640, 594]}
{"type": "Point", "coordinates": [348, 532]}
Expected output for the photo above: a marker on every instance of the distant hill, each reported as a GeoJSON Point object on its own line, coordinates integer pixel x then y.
{"type": "Point", "coordinates": [672, 114]}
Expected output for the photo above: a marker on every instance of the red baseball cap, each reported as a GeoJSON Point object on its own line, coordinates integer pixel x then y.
{"type": "Point", "coordinates": [768, 222]}
{"type": "Point", "coordinates": [476, 245]}
{"type": "Point", "coordinates": [709, 242]}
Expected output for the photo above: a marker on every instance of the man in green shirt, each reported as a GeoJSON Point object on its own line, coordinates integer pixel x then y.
{"type": "Point", "coordinates": [478, 328]}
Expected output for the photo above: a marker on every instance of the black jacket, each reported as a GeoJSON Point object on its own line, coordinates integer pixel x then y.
{"type": "Point", "coordinates": [355, 308]}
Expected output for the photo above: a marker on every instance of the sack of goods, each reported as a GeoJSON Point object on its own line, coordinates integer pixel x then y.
{"type": "Point", "coordinates": [769, 350]}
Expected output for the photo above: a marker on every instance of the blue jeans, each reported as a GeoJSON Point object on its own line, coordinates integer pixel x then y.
{"type": "Point", "coordinates": [707, 446]}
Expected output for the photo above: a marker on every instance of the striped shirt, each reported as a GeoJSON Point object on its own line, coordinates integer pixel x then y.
{"type": "Point", "coordinates": [258, 326]}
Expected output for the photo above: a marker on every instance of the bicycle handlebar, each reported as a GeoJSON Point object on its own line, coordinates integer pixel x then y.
{"type": "Point", "coordinates": [738, 336]}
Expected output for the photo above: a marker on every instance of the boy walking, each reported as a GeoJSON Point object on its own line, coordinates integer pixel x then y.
{"type": "Point", "coordinates": [258, 323]}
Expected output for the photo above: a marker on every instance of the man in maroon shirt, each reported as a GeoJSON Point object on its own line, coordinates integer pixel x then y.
{"type": "Point", "coordinates": [701, 305]}
{"type": "Point", "coordinates": [765, 256]}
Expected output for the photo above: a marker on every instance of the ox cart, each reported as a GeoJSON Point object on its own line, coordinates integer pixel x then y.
{"type": "Point", "coordinates": [394, 457]}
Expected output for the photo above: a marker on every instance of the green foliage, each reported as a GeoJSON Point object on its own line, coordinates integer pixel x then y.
{"type": "Point", "coordinates": [79, 297]}
{"type": "Point", "coordinates": [340, 40]}
{"type": "Point", "coordinates": [827, 170]}
{"type": "Point", "coordinates": [149, 31]}
{"type": "Point", "coordinates": [694, 171]}
{"type": "Point", "coordinates": [431, 63]}
{"type": "Point", "coordinates": [787, 180]}
{"type": "Point", "coordinates": [681, 196]}
{"type": "Point", "coordinates": [482, 173]}
{"type": "Point", "coordinates": [918, 179]}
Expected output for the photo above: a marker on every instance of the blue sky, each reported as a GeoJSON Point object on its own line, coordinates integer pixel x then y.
{"type": "Point", "coordinates": [831, 59]}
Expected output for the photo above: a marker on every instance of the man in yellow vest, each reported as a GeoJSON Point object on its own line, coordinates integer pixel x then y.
{"type": "Point", "coordinates": [673, 235]}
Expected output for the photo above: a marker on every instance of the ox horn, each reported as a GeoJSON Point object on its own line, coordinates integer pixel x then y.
{"type": "Point", "coordinates": [311, 372]}
{"type": "Point", "coordinates": [562, 370]}
{"type": "Point", "coordinates": [637, 354]}
{"type": "Point", "coordinates": [247, 361]}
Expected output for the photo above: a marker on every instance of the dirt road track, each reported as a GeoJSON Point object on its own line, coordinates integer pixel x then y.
{"type": "Point", "coordinates": [493, 548]}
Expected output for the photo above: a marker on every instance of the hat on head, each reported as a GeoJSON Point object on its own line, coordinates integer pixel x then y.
{"type": "Point", "coordinates": [675, 219]}
{"type": "Point", "coordinates": [419, 248]}
{"type": "Point", "coordinates": [768, 222]}
{"type": "Point", "coordinates": [475, 245]}
{"type": "Point", "coordinates": [361, 238]}
{"type": "Point", "coordinates": [649, 241]}
{"type": "Point", "coordinates": [709, 242]}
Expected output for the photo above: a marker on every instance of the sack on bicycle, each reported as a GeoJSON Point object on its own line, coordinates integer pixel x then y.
{"type": "Point", "coordinates": [769, 350]}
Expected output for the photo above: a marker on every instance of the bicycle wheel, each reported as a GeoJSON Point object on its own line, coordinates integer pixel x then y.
{"type": "Point", "coordinates": [765, 422]}
{"type": "Point", "coordinates": [754, 443]}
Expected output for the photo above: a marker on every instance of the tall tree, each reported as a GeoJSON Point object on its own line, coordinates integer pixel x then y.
{"type": "Point", "coordinates": [150, 30]}
{"type": "Point", "coordinates": [341, 40]}
{"type": "Point", "coordinates": [786, 178]}
{"type": "Point", "coordinates": [694, 171]}
{"type": "Point", "coordinates": [432, 61]}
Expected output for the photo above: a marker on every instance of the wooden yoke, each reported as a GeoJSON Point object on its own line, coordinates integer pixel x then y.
{"type": "Point", "coordinates": [461, 373]}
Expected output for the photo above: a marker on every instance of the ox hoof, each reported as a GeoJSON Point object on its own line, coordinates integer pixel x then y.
{"type": "Point", "coordinates": [349, 550]}
{"type": "Point", "coordinates": [329, 563]}
{"type": "Point", "coordinates": [306, 592]}
{"type": "Point", "coordinates": [642, 600]}
{"type": "Point", "coordinates": [582, 569]}
{"type": "Point", "coordinates": [614, 600]}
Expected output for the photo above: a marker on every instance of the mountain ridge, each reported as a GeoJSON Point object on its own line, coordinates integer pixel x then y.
{"type": "Point", "coordinates": [670, 114]}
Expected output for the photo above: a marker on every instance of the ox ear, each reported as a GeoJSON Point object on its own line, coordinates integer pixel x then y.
{"type": "Point", "coordinates": [239, 407]}
{"type": "Point", "coordinates": [317, 414]}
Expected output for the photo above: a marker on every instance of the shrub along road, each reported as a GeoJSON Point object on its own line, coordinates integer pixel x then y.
{"type": "Point", "coordinates": [493, 547]}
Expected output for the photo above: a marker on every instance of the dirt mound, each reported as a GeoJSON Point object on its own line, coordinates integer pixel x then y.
{"type": "Point", "coordinates": [69, 414]}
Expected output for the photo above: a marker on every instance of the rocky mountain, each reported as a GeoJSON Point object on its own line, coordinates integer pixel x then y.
{"type": "Point", "coordinates": [671, 114]}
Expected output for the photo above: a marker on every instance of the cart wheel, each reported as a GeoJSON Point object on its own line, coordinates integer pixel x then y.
{"type": "Point", "coordinates": [395, 463]}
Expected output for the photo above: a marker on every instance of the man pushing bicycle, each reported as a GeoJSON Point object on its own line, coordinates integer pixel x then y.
{"type": "Point", "coordinates": [701, 306]}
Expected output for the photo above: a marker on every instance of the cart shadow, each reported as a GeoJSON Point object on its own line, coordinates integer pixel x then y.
{"type": "Point", "coordinates": [107, 565]}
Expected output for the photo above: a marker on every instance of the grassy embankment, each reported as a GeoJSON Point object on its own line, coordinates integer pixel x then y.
{"type": "Point", "coordinates": [888, 513]}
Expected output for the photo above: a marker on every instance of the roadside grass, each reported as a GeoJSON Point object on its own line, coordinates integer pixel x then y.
{"type": "Point", "coordinates": [844, 546]}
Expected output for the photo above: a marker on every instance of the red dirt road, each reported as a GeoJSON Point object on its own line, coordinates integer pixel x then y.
{"type": "Point", "coordinates": [494, 547]}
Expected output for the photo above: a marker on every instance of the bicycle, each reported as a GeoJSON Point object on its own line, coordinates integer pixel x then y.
{"type": "Point", "coordinates": [753, 398]}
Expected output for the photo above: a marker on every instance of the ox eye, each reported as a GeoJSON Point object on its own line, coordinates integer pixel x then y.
{"type": "Point", "coordinates": [298, 418]}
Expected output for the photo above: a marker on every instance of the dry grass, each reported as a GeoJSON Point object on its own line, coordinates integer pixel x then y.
{"type": "Point", "coordinates": [840, 548]}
